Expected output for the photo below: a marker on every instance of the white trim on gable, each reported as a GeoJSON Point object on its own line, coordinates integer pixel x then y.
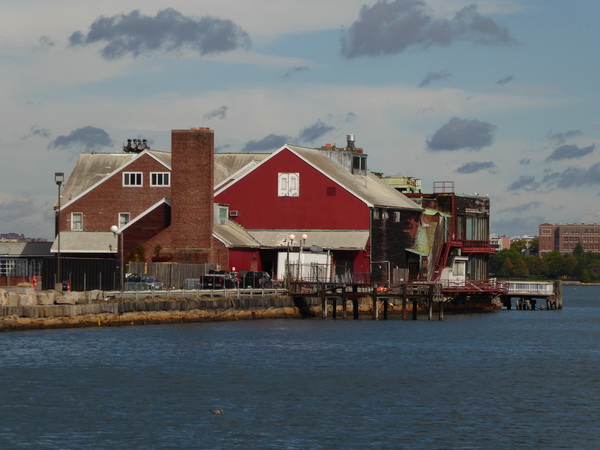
{"type": "Point", "coordinates": [289, 148]}
{"type": "Point", "coordinates": [144, 213]}
{"type": "Point", "coordinates": [135, 157]}
{"type": "Point", "coordinates": [237, 176]}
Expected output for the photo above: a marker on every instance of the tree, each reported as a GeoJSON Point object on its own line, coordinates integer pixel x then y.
{"type": "Point", "coordinates": [534, 246]}
{"type": "Point", "coordinates": [499, 259]}
{"type": "Point", "coordinates": [537, 267]}
{"type": "Point", "coordinates": [520, 269]}
{"type": "Point", "coordinates": [507, 268]}
{"type": "Point", "coordinates": [520, 246]}
{"type": "Point", "coordinates": [555, 262]}
{"type": "Point", "coordinates": [571, 264]}
{"type": "Point", "coordinates": [578, 252]}
{"type": "Point", "coordinates": [586, 276]}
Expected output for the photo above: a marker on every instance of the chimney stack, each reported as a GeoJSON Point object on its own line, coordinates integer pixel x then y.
{"type": "Point", "coordinates": [192, 175]}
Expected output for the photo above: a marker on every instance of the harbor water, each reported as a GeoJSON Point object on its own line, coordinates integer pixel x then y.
{"type": "Point", "coordinates": [508, 379]}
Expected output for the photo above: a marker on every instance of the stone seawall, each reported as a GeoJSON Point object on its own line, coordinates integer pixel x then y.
{"type": "Point", "coordinates": [140, 312]}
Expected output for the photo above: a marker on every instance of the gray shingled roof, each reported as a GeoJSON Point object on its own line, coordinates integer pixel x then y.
{"type": "Point", "coordinates": [327, 239]}
{"type": "Point", "coordinates": [233, 235]}
{"type": "Point", "coordinates": [90, 169]}
{"type": "Point", "coordinates": [227, 164]}
{"type": "Point", "coordinates": [368, 187]}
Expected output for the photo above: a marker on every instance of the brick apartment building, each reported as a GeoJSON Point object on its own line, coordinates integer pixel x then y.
{"type": "Point", "coordinates": [565, 238]}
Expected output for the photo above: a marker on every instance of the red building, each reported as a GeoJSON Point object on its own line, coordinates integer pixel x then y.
{"type": "Point", "coordinates": [328, 196]}
{"type": "Point", "coordinates": [565, 237]}
{"type": "Point", "coordinates": [340, 214]}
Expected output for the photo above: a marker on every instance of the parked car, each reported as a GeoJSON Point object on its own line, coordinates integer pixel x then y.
{"type": "Point", "coordinates": [256, 280]}
{"type": "Point", "coordinates": [142, 282]}
{"type": "Point", "coordinates": [218, 279]}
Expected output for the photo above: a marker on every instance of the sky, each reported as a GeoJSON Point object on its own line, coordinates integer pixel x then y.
{"type": "Point", "coordinates": [499, 96]}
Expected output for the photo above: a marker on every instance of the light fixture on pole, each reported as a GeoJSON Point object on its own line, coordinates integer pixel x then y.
{"type": "Point", "coordinates": [59, 178]}
{"type": "Point", "coordinates": [119, 234]}
{"type": "Point", "coordinates": [290, 241]}
{"type": "Point", "coordinates": [304, 238]}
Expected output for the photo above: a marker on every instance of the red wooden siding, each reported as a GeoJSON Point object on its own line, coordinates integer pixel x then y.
{"type": "Point", "coordinates": [317, 207]}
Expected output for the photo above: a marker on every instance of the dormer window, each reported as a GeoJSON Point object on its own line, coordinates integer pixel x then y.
{"type": "Point", "coordinates": [359, 164]}
{"type": "Point", "coordinates": [160, 179]}
{"type": "Point", "coordinates": [132, 179]}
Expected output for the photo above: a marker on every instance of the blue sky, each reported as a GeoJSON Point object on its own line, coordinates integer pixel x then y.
{"type": "Point", "coordinates": [499, 96]}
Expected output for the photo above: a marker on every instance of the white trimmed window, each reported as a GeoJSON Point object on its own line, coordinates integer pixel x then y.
{"type": "Point", "coordinates": [76, 221]}
{"type": "Point", "coordinates": [396, 216]}
{"type": "Point", "coordinates": [132, 179]}
{"type": "Point", "coordinates": [124, 219]}
{"type": "Point", "coordinates": [289, 185]}
{"type": "Point", "coordinates": [160, 179]}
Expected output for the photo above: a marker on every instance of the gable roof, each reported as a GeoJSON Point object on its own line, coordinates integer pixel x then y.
{"type": "Point", "coordinates": [230, 166]}
{"type": "Point", "coordinates": [368, 188]}
{"type": "Point", "coordinates": [92, 169]}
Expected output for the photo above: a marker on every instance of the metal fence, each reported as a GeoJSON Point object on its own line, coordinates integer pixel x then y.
{"type": "Point", "coordinates": [82, 274]}
{"type": "Point", "coordinates": [173, 275]}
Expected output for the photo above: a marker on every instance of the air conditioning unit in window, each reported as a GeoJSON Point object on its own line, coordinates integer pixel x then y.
{"type": "Point", "coordinates": [234, 213]}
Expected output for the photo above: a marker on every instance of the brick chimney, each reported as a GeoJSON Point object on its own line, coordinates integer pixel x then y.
{"type": "Point", "coordinates": [192, 175]}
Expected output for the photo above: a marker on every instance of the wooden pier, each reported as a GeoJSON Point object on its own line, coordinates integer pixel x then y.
{"type": "Point", "coordinates": [528, 293]}
{"type": "Point", "coordinates": [414, 294]}
{"type": "Point", "coordinates": [427, 296]}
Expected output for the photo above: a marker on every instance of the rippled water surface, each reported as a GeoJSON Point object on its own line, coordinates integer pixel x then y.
{"type": "Point", "coordinates": [509, 379]}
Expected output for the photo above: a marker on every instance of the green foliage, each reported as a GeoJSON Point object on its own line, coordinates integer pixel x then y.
{"type": "Point", "coordinates": [519, 245]}
{"type": "Point", "coordinates": [580, 266]}
{"type": "Point", "coordinates": [556, 263]}
{"type": "Point", "coordinates": [138, 255]}
{"type": "Point", "coordinates": [578, 252]}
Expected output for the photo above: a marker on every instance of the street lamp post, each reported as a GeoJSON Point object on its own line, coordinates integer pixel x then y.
{"type": "Point", "coordinates": [304, 238]}
{"type": "Point", "coordinates": [59, 178]}
{"type": "Point", "coordinates": [119, 234]}
{"type": "Point", "coordinates": [290, 241]}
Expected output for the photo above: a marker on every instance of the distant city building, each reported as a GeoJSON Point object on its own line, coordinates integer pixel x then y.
{"type": "Point", "coordinates": [565, 237]}
{"type": "Point", "coordinates": [500, 242]}
{"type": "Point", "coordinates": [14, 237]}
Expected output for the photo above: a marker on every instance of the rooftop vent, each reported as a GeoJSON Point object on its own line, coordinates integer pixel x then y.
{"type": "Point", "coordinates": [135, 145]}
{"type": "Point", "coordinates": [351, 140]}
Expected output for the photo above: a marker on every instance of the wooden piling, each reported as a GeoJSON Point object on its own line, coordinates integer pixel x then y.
{"type": "Point", "coordinates": [558, 294]}
{"type": "Point", "coordinates": [414, 311]}
{"type": "Point", "coordinates": [430, 301]}
{"type": "Point", "coordinates": [404, 302]}
{"type": "Point", "coordinates": [375, 308]}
